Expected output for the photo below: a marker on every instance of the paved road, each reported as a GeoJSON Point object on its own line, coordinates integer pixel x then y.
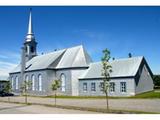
{"type": "Point", "coordinates": [148, 105]}
{"type": "Point", "coordinates": [11, 108]}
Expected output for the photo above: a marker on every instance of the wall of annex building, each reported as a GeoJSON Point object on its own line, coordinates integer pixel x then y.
{"type": "Point", "coordinates": [130, 87]}
{"type": "Point", "coordinates": [46, 78]}
{"type": "Point", "coordinates": [75, 74]}
{"type": "Point", "coordinates": [71, 81]}
{"type": "Point", "coordinates": [145, 81]}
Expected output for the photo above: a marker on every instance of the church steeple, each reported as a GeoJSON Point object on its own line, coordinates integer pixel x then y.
{"type": "Point", "coordinates": [30, 34]}
{"type": "Point", "coordinates": [30, 43]}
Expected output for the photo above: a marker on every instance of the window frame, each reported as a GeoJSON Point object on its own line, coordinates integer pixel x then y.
{"type": "Point", "coordinates": [12, 82]}
{"type": "Point", "coordinates": [93, 87]}
{"type": "Point", "coordinates": [123, 87]}
{"type": "Point", "coordinates": [101, 85]}
{"type": "Point", "coordinates": [16, 81]}
{"type": "Point", "coordinates": [33, 82]}
{"type": "Point", "coordinates": [39, 82]}
{"type": "Point", "coordinates": [112, 87]}
{"type": "Point", "coordinates": [85, 86]}
{"type": "Point", "coordinates": [63, 82]}
{"type": "Point", "coordinates": [27, 79]}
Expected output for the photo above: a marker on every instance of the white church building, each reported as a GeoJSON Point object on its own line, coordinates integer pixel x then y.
{"type": "Point", "coordinates": [79, 75]}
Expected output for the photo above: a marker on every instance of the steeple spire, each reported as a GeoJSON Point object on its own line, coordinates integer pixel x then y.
{"type": "Point", "coordinates": [30, 29]}
{"type": "Point", "coordinates": [30, 34]}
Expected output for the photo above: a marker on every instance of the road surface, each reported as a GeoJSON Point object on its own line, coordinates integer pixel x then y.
{"type": "Point", "coordinates": [11, 108]}
{"type": "Point", "coordinates": [146, 105]}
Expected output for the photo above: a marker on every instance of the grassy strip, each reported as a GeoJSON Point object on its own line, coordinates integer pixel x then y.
{"type": "Point", "coordinates": [147, 95]}
{"type": "Point", "coordinates": [100, 110]}
{"type": "Point", "coordinates": [111, 111]}
{"type": "Point", "coordinates": [150, 95]}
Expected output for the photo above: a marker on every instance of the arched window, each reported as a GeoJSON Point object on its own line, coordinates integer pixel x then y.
{"type": "Point", "coordinates": [12, 82]}
{"type": "Point", "coordinates": [26, 79]}
{"type": "Point", "coordinates": [63, 82]}
{"type": "Point", "coordinates": [33, 82]}
{"type": "Point", "coordinates": [40, 82]}
{"type": "Point", "coordinates": [16, 79]}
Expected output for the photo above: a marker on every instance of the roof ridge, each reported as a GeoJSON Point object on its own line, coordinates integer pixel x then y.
{"type": "Point", "coordinates": [121, 59]}
{"type": "Point", "coordinates": [60, 50]}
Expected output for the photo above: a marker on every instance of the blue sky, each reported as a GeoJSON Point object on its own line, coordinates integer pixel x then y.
{"type": "Point", "coordinates": [120, 29]}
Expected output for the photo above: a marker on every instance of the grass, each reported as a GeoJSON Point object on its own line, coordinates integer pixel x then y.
{"type": "Point", "coordinates": [155, 94]}
{"type": "Point", "coordinates": [149, 95]}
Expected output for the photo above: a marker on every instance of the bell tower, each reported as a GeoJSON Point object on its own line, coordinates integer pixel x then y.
{"type": "Point", "coordinates": [30, 44]}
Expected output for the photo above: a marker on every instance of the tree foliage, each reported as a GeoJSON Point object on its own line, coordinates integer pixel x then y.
{"type": "Point", "coordinates": [55, 85]}
{"type": "Point", "coordinates": [106, 70]}
{"type": "Point", "coordinates": [8, 87]}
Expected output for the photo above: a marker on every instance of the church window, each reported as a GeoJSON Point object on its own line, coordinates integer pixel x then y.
{"type": "Point", "coordinates": [12, 82]}
{"type": "Point", "coordinates": [26, 48]}
{"type": "Point", "coordinates": [26, 79]}
{"type": "Point", "coordinates": [63, 82]}
{"type": "Point", "coordinates": [16, 82]}
{"type": "Point", "coordinates": [40, 82]}
{"type": "Point", "coordinates": [32, 49]}
{"type": "Point", "coordinates": [33, 82]}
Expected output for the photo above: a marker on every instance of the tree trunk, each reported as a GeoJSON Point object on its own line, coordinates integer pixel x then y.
{"type": "Point", "coordinates": [107, 102]}
{"type": "Point", "coordinates": [8, 99]}
{"type": "Point", "coordinates": [55, 98]}
{"type": "Point", "coordinates": [26, 98]}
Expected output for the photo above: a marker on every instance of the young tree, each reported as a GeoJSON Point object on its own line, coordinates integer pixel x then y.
{"type": "Point", "coordinates": [8, 89]}
{"type": "Point", "coordinates": [25, 87]}
{"type": "Point", "coordinates": [106, 70]}
{"type": "Point", "coordinates": [55, 85]}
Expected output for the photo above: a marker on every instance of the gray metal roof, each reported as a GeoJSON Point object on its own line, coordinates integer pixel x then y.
{"type": "Point", "coordinates": [75, 57]}
{"type": "Point", "coordinates": [120, 68]}
{"type": "Point", "coordinates": [67, 58]}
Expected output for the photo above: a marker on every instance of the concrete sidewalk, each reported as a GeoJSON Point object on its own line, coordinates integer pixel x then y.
{"type": "Point", "coordinates": [146, 105]}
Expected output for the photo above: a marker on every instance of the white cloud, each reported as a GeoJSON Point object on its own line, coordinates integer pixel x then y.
{"type": "Point", "coordinates": [6, 67]}
{"type": "Point", "coordinates": [8, 60]}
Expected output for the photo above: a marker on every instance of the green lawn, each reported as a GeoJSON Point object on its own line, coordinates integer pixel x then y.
{"type": "Point", "coordinates": [150, 95]}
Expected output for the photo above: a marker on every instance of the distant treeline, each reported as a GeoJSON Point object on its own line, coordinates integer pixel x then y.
{"type": "Point", "coordinates": [156, 80]}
